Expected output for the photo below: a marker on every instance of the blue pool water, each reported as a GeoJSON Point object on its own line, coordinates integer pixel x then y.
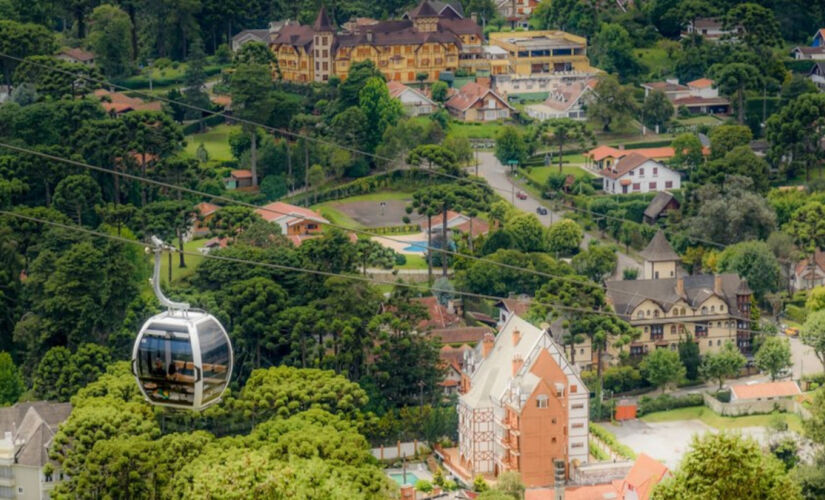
{"type": "Point", "coordinates": [416, 246]}
{"type": "Point", "coordinates": [399, 478]}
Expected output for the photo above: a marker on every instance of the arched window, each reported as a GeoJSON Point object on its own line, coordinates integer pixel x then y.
{"type": "Point", "coordinates": [656, 313]}
{"type": "Point", "coordinates": [640, 314]}
{"type": "Point", "coordinates": [722, 308]}
{"type": "Point", "coordinates": [712, 308]}
{"type": "Point", "coordinates": [673, 329]}
{"type": "Point", "coordinates": [704, 310]}
{"type": "Point", "coordinates": [683, 311]}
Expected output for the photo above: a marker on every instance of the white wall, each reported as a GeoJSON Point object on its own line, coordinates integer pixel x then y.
{"type": "Point", "coordinates": [647, 181]}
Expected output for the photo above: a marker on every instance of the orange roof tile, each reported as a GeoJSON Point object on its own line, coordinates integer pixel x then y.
{"type": "Point", "coordinates": [279, 209]}
{"type": "Point", "coordinates": [765, 390]}
{"type": "Point", "coordinates": [242, 174]}
{"type": "Point", "coordinates": [205, 208]}
{"type": "Point", "coordinates": [604, 151]}
{"type": "Point", "coordinates": [643, 476]}
{"type": "Point", "coordinates": [701, 83]}
{"type": "Point", "coordinates": [655, 153]}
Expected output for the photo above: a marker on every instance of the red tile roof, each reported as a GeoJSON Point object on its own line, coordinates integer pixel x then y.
{"type": "Point", "coordinates": [78, 54]}
{"type": "Point", "coordinates": [701, 83]}
{"type": "Point", "coordinates": [437, 315]}
{"type": "Point", "coordinates": [662, 153]}
{"type": "Point", "coordinates": [278, 209]}
{"type": "Point", "coordinates": [120, 102]}
{"type": "Point", "coordinates": [625, 165]}
{"type": "Point", "coordinates": [819, 261]}
{"type": "Point", "coordinates": [604, 151]}
{"type": "Point", "coordinates": [765, 390]}
{"type": "Point", "coordinates": [205, 208]}
{"type": "Point", "coordinates": [645, 474]}
{"type": "Point", "coordinates": [242, 174]}
{"type": "Point", "coordinates": [515, 305]}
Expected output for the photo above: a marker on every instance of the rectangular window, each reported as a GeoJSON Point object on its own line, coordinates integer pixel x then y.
{"type": "Point", "coordinates": [577, 445]}
{"type": "Point", "coordinates": [578, 406]}
{"type": "Point", "coordinates": [636, 350]}
{"type": "Point", "coordinates": [326, 53]}
{"type": "Point", "coordinates": [573, 388]}
{"type": "Point", "coordinates": [636, 186]}
{"type": "Point", "coordinates": [641, 172]}
{"type": "Point", "coordinates": [655, 171]}
{"type": "Point", "coordinates": [652, 186]}
{"type": "Point", "coordinates": [668, 184]}
{"type": "Point", "coordinates": [324, 40]}
{"type": "Point", "coordinates": [325, 66]}
{"type": "Point", "coordinates": [578, 425]}
{"type": "Point", "coordinates": [541, 402]}
{"type": "Point", "coordinates": [657, 332]}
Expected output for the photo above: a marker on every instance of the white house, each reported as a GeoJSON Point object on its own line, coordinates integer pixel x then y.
{"type": "Point", "coordinates": [636, 173]}
{"type": "Point", "coordinates": [567, 100]}
{"type": "Point", "coordinates": [817, 75]}
{"type": "Point", "coordinates": [809, 273]}
{"type": "Point", "coordinates": [709, 29]}
{"type": "Point", "coordinates": [414, 101]}
{"type": "Point", "coordinates": [809, 53]}
{"type": "Point", "coordinates": [247, 36]}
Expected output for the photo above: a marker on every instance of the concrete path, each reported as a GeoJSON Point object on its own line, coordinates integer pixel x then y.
{"type": "Point", "coordinates": [496, 175]}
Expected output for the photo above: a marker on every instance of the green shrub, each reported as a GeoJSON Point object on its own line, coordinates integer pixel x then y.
{"type": "Point", "coordinates": [610, 440]}
{"type": "Point", "coordinates": [665, 402]}
{"type": "Point", "coordinates": [423, 485]}
{"type": "Point", "coordinates": [597, 452]}
{"type": "Point", "coordinates": [623, 378]}
{"type": "Point", "coordinates": [796, 313]}
{"type": "Point", "coordinates": [723, 396]}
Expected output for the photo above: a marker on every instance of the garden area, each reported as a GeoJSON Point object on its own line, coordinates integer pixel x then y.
{"type": "Point", "coordinates": [215, 141]}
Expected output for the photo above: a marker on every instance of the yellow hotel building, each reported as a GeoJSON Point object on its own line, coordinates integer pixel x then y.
{"type": "Point", "coordinates": [433, 37]}
{"type": "Point", "coordinates": [531, 52]}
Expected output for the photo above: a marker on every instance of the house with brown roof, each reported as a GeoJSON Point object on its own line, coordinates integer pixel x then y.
{"type": "Point", "coordinates": [802, 53]}
{"type": "Point", "coordinates": [567, 100]}
{"type": "Point", "coordinates": [671, 88]}
{"type": "Point", "coordinates": [27, 430]}
{"type": "Point", "coordinates": [667, 306]}
{"type": "Point", "coordinates": [458, 223]}
{"type": "Point", "coordinates": [117, 103]}
{"type": "Point", "coordinates": [637, 173]}
{"type": "Point", "coordinates": [477, 103]}
{"type": "Point", "coordinates": [809, 272]}
{"type": "Point", "coordinates": [662, 203]}
{"type": "Point", "coordinates": [76, 55]}
{"type": "Point", "coordinates": [414, 101]}
{"type": "Point", "coordinates": [205, 213]}
{"type": "Point", "coordinates": [296, 223]}
{"type": "Point", "coordinates": [239, 179]}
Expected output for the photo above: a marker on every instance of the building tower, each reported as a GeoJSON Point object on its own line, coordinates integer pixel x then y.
{"type": "Point", "coordinates": [322, 46]}
{"type": "Point", "coordinates": [425, 17]}
{"type": "Point", "coordinates": [660, 260]}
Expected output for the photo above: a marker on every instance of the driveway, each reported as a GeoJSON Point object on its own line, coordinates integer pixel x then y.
{"type": "Point", "coordinates": [496, 175]}
{"type": "Point", "coordinates": [665, 441]}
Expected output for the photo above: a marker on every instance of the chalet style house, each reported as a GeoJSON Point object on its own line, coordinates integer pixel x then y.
{"type": "Point", "coordinates": [478, 103]}
{"type": "Point", "coordinates": [809, 273]}
{"type": "Point", "coordinates": [296, 223]}
{"type": "Point", "coordinates": [522, 408]}
{"type": "Point", "coordinates": [430, 40]}
{"type": "Point", "coordinates": [667, 306]}
{"type": "Point", "coordinates": [636, 173]}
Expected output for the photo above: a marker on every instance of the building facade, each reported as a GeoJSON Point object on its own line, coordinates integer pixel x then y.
{"type": "Point", "coordinates": [567, 100]}
{"type": "Point", "coordinates": [668, 307]}
{"type": "Point", "coordinates": [431, 39]}
{"type": "Point", "coordinates": [28, 430]}
{"type": "Point", "coordinates": [636, 173]}
{"type": "Point", "coordinates": [414, 101]}
{"type": "Point", "coordinates": [555, 52]}
{"type": "Point", "coordinates": [477, 103]}
{"type": "Point", "coordinates": [523, 407]}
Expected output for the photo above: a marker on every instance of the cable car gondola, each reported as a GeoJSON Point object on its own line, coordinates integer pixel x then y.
{"type": "Point", "coordinates": [182, 357]}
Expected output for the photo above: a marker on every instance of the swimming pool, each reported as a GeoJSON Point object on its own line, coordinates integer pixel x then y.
{"type": "Point", "coordinates": [398, 477]}
{"type": "Point", "coordinates": [416, 246]}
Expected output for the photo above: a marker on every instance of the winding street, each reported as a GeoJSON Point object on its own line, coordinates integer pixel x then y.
{"type": "Point", "coordinates": [496, 175]}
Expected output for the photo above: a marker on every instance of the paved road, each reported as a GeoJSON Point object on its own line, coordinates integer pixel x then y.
{"type": "Point", "coordinates": [805, 361]}
{"type": "Point", "coordinates": [496, 175]}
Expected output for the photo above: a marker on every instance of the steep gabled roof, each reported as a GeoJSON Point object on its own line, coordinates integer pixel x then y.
{"type": "Point", "coordinates": [322, 22]}
{"type": "Point", "coordinates": [643, 476]}
{"type": "Point", "coordinates": [659, 249]}
{"type": "Point", "coordinates": [626, 164]}
{"type": "Point", "coordinates": [657, 204]}
{"type": "Point", "coordinates": [470, 94]}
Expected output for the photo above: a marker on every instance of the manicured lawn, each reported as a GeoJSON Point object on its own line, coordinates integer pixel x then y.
{"type": "Point", "coordinates": [215, 140]}
{"type": "Point", "coordinates": [717, 421]}
{"type": "Point", "coordinates": [336, 217]}
{"type": "Point", "coordinates": [414, 262]}
{"type": "Point", "coordinates": [488, 130]}
{"type": "Point", "coordinates": [379, 196]}
{"type": "Point", "coordinates": [700, 120]}
{"type": "Point", "coordinates": [192, 262]}
{"type": "Point", "coordinates": [540, 174]}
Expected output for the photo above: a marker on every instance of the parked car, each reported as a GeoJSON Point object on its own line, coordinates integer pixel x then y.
{"type": "Point", "coordinates": [541, 210]}
{"type": "Point", "coordinates": [521, 196]}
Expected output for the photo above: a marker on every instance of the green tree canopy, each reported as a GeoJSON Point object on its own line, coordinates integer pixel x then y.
{"type": "Point", "coordinates": [662, 367]}
{"type": "Point", "coordinates": [511, 146]}
{"type": "Point", "coordinates": [613, 106]}
{"type": "Point", "coordinates": [564, 237]}
{"type": "Point", "coordinates": [725, 363]}
{"type": "Point", "coordinates": [657, 110]}
{"type": "Point", "coordinates": [109, 39]}
{"type": "Point", "coordinates": [813, 334]}
{"type": "Point", "coordinates": [754, 261]}
{"type": "Point", "coordinates": [11, 381]}
{"type": "Point", "coordinates": [773, 356]}
{"type": "Point", "coordinates": [613, 52]}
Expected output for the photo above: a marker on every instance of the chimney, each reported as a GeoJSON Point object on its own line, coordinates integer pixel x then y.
{"type": "Point", "coordinates": [407, 492]}
{"type": "Point", "coordinates": [516, 336]}
{"type": "Point", "coordinates": [518, 362]}
{"type": "Point", "coordinates": [680, 286]}
{"type": "Point", "coordinates": [487, 344]}
{"type": "Point", "coordinates": [717, 284]}
{"type": "Point", "coordinates": [621, 147]}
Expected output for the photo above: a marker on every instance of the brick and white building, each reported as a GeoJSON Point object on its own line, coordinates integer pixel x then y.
{"type": "Point", "coordinates": [523, 407]}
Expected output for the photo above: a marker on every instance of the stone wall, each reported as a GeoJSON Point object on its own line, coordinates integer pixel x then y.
{"type": "Point", "coordinates": [751, 407]}
{"type": "Point", "coordinates": [599, 472]}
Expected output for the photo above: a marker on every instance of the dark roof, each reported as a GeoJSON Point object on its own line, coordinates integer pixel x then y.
{"type": "Point", "coordinates": [657, 204]}
{"type": "Point", "coordinates": [659, 250]}
{"type": "Point", "coordinates": [626, 164]}
{"type": "Point", "coordinates": [297, 35]}
{"type": "Point", "coordinates": [396, 33]}
{"type": "Point", "coordinates": [424, 9]}
{"type": "Point", "coordinates": [459, 334]}
{"type": "Point", "coordinates": [32, 426]}
{"type": "Point", "coordinates": [460, 26]}
{"type": "Point", "coordinates": [441, 7]}
{"type": "Point", "coordinates": [322, 22]}
{"type": "Point", "coordinates": [626, 295]}
{"type": "Point", "coordinates": [261, 34]}
{"type": "Point", "coordinates": [817, 69]}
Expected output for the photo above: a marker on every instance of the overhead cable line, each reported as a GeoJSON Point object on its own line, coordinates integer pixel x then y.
{"type": "Point", "coordinates": [353, 277]}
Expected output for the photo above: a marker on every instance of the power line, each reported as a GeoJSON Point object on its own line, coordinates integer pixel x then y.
{"type": "Point", "coordinates": [297, 216]}
{"type": "Point", "coordinates": [305, 137]}
{"type": "Point", "coordinates": [74, 227]}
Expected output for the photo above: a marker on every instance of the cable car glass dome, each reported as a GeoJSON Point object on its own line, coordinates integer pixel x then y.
{"type": "Point", "coordinates": [182, 358]}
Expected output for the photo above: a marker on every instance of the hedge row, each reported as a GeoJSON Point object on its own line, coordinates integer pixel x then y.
{"type": "Point", "coordinates": [142, 81]}
{"type": "Point", "coordinates": [665, 402]}
{"type": "Point", "coordinates": [406, 228]}
{"type": "Point", "coordinates": [597, 452]}
{"type": "Point", "coordinates": [610, 440]}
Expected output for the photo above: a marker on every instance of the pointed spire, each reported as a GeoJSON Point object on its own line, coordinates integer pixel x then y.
{"type": "Point", "coordinates": [322, 22]}
{"type": "Point", "coordinates": [659, 250]}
